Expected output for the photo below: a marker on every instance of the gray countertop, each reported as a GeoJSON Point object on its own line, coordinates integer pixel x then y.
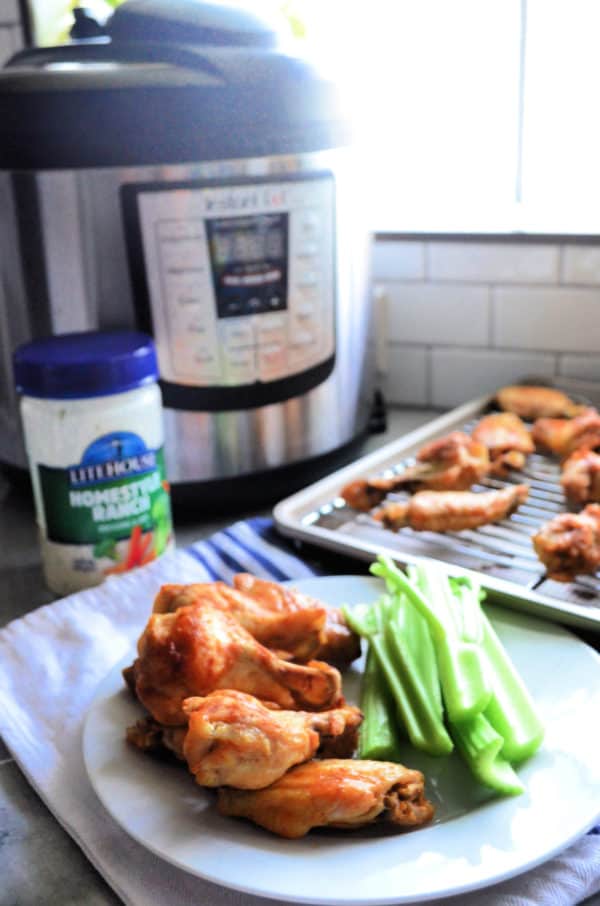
{"type": "Point", "coordinates": [39, 862]}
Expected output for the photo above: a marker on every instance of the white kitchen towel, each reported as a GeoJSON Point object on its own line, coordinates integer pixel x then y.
{"type": "Point", "coordinates": [51, 662]}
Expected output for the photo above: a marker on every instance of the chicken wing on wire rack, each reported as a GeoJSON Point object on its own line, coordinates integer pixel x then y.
{"type": "Point", "coordinates": [501, 551]}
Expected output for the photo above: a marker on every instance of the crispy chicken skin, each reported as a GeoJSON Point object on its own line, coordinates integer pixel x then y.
{"type": "Point", "coordinates": [507, 440]}
{"type": "Point", "coordinates": [294, 625]}
{"type": "Point", "coordinates": [338, 644]}
{"type": "Point", "coordinates": [149, 736]}
{"type": "Point", "coordinates": [531, 402]}
{"type": "Point", "coordinates": [580, 477]}
{"type": "Point", "coordinates": [564, 435]}
{"type": "Point", "coordinates": [450, 463]}
{"type": "Point", "coordinates": [342, 793]}
{"type": "Point", "coordinates": [235, 740]}
{"type": "Point", "coordinates": [451, 511]}
{"type": "Point", "coordinates": [199, 649]}
{"type": "Point", "coordinates": [277, 617]}
{"type": "Point", "coordinates": [569, 545]}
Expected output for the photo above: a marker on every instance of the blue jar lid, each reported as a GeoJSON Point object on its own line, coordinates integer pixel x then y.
{"type": "Point", "coordinates": [80, 365]}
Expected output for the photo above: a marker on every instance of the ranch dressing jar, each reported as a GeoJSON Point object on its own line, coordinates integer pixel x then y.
{"type": "Point", "coordinates": [92, 417]}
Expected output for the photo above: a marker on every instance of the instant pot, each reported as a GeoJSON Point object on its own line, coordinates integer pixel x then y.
{"type": "Point", "coordinates": [183, 175]}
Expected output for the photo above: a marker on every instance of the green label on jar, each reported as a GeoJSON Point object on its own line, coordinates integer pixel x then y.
{"type": "Point", "coordinates": [118, 491]}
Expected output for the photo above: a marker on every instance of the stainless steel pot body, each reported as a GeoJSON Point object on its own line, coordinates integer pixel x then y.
{"type": "Point", "coordinates": [64, 267]}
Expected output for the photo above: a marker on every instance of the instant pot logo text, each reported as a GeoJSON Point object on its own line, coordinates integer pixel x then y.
{"type": "Point", "coordinates": [246, 200]}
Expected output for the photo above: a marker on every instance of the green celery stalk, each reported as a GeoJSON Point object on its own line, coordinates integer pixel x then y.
{"type": "Point", "coordinates": [480, 745]}
{"type": "Point", "coordinates": [420, 645]}
{"type": "Point", "coordinates": [511, 711]}
{"type": "Point", "coordinates": [378, 738]}
{"type": "Point", "coordinates": [465, 687]}
{"type": "Point", "coordinates": [417, 682]}
{"type": "Point", "coordinates": [423, 725]}
{"type": "Point", "coordinates": [467, 593]}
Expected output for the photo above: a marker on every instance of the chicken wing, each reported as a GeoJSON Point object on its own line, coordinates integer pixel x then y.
{"type": "Point", "coordinates": [198, 649]}
{"type": "Point", "coordinates": [235, 740]}
{"type": "Point", "coordinates": [150, 736]}
{"type": "Point", "coordinates": [569, 545]}
{"type": "Point", "coordinates": [294, 625]}
{"type": "Point", "coordinates": [532, 402]}
{"type": "Point", "coordinates": [451, 511]}
{"type": "Point", "coordinates": [580, 477]}
{"type": "Point", "coordinates": [277, 617]}
{"type": "Point", "coordinates": [563, 435]}
{"type": "Point", "coordinates": [343, 793]}
{"type": "Point", "coordinates": [338, 644]}
{"type": "Point", "coordinates": [507, 439]}
{"type": "Point", "coordinates": [453, 462]}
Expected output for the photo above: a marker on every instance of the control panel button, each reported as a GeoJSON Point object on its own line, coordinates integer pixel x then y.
{"type": "Point", "coordinates": [304, 311]}
{"type": "Point", "coordinates": [299, 357]}
{"type": "Point", "coordinates": [268, 335]}
{"type": "Point", "coordinates": [310, 222]}
{"type": "Point", "coordinates": [239, 365]}
{"type": "Point", "coordinates": [272, 362]}
{"type": "Point", "coordinates": [303, 338]}
{"type": "Point", "coordinates": [197, 361]}
{"type": "Point", "coordinates": [271, 322]}
{"type": "Point", "coordinates": [307, 250]}
{"type": "Point", "coordinates": [239, 334]}
{"type": "Point", "coordinates": [308, 278]}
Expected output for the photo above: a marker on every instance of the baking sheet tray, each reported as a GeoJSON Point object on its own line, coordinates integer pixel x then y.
{"type": "Point", "coordinates": [501, 554]}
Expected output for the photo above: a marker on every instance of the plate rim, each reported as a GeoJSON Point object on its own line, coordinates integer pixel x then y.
{"type": "Point", "coordinates": [100, 697]}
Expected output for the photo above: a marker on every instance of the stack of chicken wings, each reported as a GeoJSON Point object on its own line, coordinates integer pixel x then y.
{"type": "Point", "coordinates": [237, 684]}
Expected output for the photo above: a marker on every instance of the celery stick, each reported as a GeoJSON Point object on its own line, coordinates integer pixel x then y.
{"type": "Point", "coordinates": [415, 681]}
{"type": "Point", "coordinates": [420, 646]}
{"type": "Point", "coordinates": [511, 711]}
{"type": "Point", "coordinates": [467, 593]}
{"type": "Point", "coordinates": [378, 737]}
{"type": "Point", "coordinates": [465, 687]}
{"type": "Point", "coordinates": [424, 728]}
{"type": "Point", "coordinates": [480, 746]}
{"type": "Point", "coordinates": [362, 619]}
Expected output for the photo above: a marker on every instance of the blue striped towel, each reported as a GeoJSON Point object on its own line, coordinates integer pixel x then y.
{"type": "Point", "coordinates": [252, 546]}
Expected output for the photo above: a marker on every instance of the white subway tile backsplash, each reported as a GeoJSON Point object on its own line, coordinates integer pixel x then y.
{"type": "Point", "coordinates": [406, 381]}
{"type": "Point", "coordinates": [396, 260]}
{"type": "Point", "coordinates": [458, 375]}
{"type": "Point", "coordinates": [581, 264]}
{"type": "Point", "coordinates": [584, 367]}
{"type": "Point", "coordinates": [494, 262]}
{"type": "Point", "coordinates": [533, 317]}
{"type": "Point", "coordinates": [443, 313]}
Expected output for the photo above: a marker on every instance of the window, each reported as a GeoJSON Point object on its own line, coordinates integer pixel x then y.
{"type": "Point", "coordinates": [474, 115]}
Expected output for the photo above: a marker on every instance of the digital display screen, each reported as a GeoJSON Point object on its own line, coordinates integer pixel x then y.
{"type": "Point", "coordinates": [249, 263]}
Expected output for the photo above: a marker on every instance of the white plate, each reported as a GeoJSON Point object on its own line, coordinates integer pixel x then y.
{"type": "Point", "coordinates": [473, 842]}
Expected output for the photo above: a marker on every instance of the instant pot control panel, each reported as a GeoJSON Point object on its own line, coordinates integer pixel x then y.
{"type": "Point", "coordinates": [237, 284]}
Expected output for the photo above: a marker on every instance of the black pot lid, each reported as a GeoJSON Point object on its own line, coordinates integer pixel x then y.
{"type": "Point", "coordinates": [169, 82]}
